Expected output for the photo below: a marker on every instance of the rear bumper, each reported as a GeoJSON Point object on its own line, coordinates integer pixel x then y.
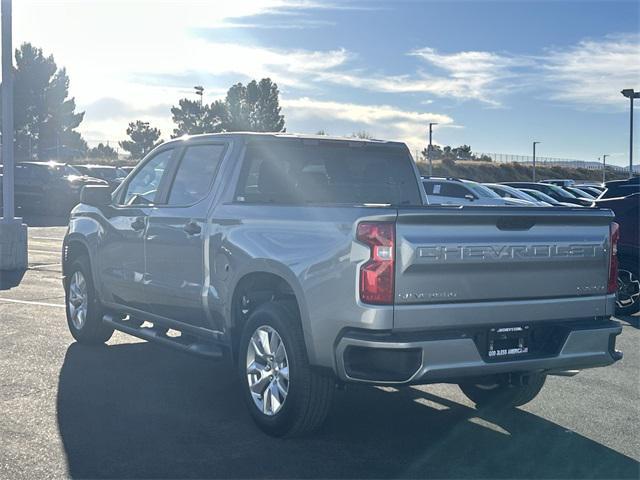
{"type": "Point", "coordinates": [415, 358]}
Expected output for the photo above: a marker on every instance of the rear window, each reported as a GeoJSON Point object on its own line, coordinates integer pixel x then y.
{"type": "Point", "coordinates": [327, 173]}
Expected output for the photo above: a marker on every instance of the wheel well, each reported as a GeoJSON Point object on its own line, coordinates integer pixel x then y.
{"type": "Point", "coordinates": [253, 290]}
{"type": "Point", "coordinates": [72, 250]}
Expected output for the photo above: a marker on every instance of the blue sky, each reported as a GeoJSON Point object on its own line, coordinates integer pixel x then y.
{"type": "Point", "coordinates": [494, 74]}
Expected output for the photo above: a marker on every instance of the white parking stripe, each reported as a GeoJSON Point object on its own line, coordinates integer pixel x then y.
{"type": "Point", "coordinates": [47, 238]}
{"type": "Point", "coordinates": [32, 267]}
{"type": "Point", "coordinates": [27, 302]}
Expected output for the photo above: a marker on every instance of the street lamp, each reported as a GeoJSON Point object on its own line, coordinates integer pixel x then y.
{"type": "Point", "coordinates": [630, 94]}
{"type": "Point", "coordinates": [534, 160]}
{"type": "Point", "coordinates": [430, 148]}
{"type": "Point", "coordinates": [199, 91]}
{"type": "Point", "coordinates": [604, 167]}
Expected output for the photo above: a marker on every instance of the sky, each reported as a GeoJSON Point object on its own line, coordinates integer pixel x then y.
{"type": "Point", "coordinates": [495, 75]}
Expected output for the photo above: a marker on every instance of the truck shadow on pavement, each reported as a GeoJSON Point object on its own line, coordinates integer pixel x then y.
{"type": "Point", "coordinates": [137, 410]}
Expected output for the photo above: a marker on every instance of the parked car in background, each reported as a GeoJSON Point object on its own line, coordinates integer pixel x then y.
{"type": "Point", "coordinates": [127, 170]}
{"type": "Point", "coordinates": [580, 193]}
{"type": "Point", "coordinates": [543, 197]}
{"type": "Point", "coordinates": [566, 182]}
{"type": "Point", "coordinates": [505, 191]}
{"type": "Point", "coordinates": [553, 191]}
{"type": "Point", "coordinates": [316, 262]}
{"type": "Point", "coordinates": [621, 188]}
{"type": "Point", "coordinates": [627, 211]}
{"type": "Point", "coordinates": [49, 187]}
{"type": "Point", "coordinates": [111, 174]}
{"type": "Point", "coordinates": [455, 191]}
{"type": "Point", "coordinates": [594, 191]}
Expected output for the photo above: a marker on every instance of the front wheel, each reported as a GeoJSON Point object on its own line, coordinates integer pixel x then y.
{"type": "Point", "coordinates": [284, 394]}
{"type": "Point", "coordinates": [506, 391]}
{"type": "Point", "coordinates": [84, 312]}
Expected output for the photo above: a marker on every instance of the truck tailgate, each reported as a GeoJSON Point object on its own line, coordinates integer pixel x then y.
{"type": "Point", "coordinates": [499, 265]}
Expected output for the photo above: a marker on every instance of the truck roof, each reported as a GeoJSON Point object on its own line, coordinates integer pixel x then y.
{"type": "Point", "coordinates": [287, 136]}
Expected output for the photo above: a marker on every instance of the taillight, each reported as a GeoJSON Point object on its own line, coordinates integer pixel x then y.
{"type": "Point", "coordinates": [377, 275]}
{"type": "Point", "coordinates": [614, 236]}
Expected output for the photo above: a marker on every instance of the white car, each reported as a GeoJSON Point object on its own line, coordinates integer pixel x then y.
{"type": "Point", "coordinates": [454, 191]}
{"type": "Point", "coordinates": [511, 193]}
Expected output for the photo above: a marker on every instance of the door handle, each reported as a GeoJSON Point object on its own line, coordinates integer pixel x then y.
{"type": "Point", "coordinates": [192, 228]}
{"type": "Point", "coordinates": [138, 224]}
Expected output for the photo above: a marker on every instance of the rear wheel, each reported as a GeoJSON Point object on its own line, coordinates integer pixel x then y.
{"type": "Point", "coordinates": [505, 391]}
{"type": "Point", "coordinates": [628, 293]}
{"type": "Point", "coordinates": [284, 394]}
{"type": "Point", "coordinates": [84, 312]}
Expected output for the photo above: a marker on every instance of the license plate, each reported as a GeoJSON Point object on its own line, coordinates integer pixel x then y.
{"type": "Point", "coordinates": [508, 342]}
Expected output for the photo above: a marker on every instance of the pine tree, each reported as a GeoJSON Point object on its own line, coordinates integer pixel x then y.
{"type": "Point", "coordinates": [102, 152]}
{"type": "Point", "coordinates": [44, 117]}
{"type": "Point", "coordinates": [144, 138]}
{"type": "Point", "coordinates": [193, 118]}
{"type": "Point", "coordinates": [254, 108]}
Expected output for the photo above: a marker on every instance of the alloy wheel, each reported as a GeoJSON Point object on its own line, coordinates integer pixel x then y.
{"type": "Point", "coordinates": [267, 370]}
{"type": "Point", "coordinates": [78, 300]}
{"type": "Point", "coordinates": [628, 289]}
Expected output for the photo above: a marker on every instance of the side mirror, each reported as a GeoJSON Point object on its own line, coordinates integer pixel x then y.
{"type": "Point", "coordinates": [96, 195]}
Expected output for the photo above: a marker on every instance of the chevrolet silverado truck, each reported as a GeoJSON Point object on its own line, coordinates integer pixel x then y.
{"type": "Point", "coordinates": [315, 262]}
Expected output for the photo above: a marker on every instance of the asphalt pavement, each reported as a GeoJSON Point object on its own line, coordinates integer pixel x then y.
{"type": "Point", "coordinates": [133, 409]}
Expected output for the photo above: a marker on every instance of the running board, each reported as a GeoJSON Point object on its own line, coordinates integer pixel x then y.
{"type": "Point", "coordinates": [187, 344]}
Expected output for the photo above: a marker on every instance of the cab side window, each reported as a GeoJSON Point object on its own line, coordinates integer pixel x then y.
{"type": "Point", "coordinates": [195, 174]}
{"type": "Point", "coordinates": [144, 187]}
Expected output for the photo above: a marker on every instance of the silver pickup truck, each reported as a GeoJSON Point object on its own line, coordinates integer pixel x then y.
{"type": "Point", "coordinates": [314, 262]}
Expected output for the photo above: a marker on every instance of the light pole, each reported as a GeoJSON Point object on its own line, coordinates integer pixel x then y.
{"type": "Point", "coordinates": [534, 160]}
{"type": "Point", "coordinates": [430, 148]}
{"type": "Point", "coordinates": [13, 233]}
{"type": "Point", "coordinates": [604, 167]}
{"type": "Point", "coordinates": [7, 113]}
{"type": "Point", "coordinates": [199, 91]}
{"type": "Point", "coordinates": [630, 94]}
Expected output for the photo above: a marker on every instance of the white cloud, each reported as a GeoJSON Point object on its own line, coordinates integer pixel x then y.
{"type": "Point", "coordinates": [593, 72]}
{"type": "Point", "coordinates": [381, 121]}
{"type": "Point", "coordinates": [137, 53]}
{"type": "Point", "coordinates": [468, 75]}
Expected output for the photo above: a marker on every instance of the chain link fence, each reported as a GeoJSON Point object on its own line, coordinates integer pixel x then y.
{"type": "Point", "coordinates": [549, 161]}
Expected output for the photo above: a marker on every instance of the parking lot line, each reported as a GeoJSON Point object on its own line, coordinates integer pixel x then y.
{"type": "Point", "coordinates": [29, 302]}
{"type": "Point", "coordinates": [32, 267]}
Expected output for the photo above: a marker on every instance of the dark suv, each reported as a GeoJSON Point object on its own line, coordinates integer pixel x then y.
{"type": "Point", "coordinates": [49, 187]}
{"type": "Point", "coordinates": [111, 174]}
{"type": "Point", "coordinates": [627, 211]}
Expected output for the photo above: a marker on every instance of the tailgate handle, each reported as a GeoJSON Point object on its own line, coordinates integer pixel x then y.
{"type": "Point", "coordinates": [515, 223]}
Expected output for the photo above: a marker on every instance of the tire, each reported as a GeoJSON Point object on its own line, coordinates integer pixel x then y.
{"type": "Point", "coordinates": [84, 312]}
{"type": "Point", "coordinates": [281, 405]}
{"type": "Point", "coordinates": [508, 391]}
{"type": "Point", "coordinates": [628, 294]}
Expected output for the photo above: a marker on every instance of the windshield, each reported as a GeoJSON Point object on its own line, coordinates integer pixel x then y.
{"type": "Point", "coordinates": [581, 193]}
{"type": "Point", "coordinates": [540, 196]}
{"type": "Point", "coordinates": [560, 192]}
{"type": "Point", "coordinates": [481, 190]}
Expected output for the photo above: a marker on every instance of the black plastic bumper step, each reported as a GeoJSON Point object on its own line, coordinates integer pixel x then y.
{"type": "Point", "coordinates": [187, 343]}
